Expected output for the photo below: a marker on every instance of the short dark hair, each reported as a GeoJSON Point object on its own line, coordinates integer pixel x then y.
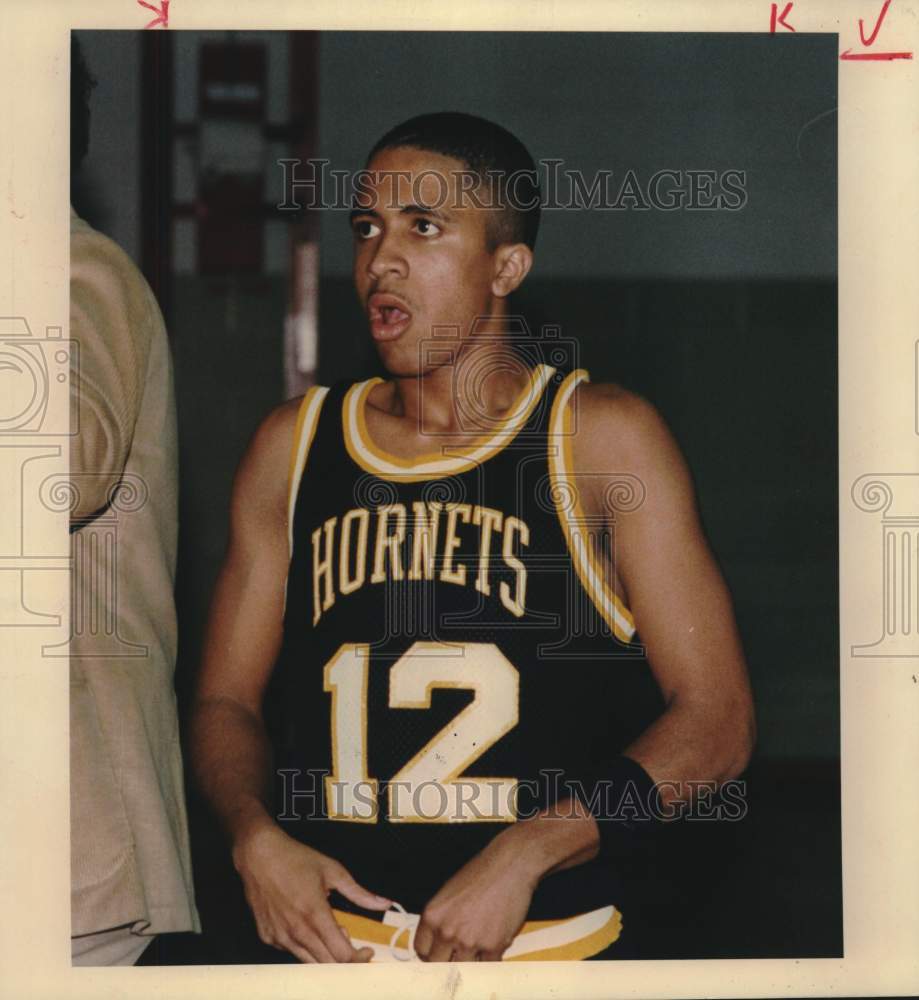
{"type": "Point", "coordinates": [489, 151]}
{"type": "Point", "coordinates": [81, 83]}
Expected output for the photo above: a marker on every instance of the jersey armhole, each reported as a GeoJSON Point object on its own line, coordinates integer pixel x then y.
{"type": "Point", "coordinates": [565, 497]}
{"type": "Point", "coordinates": [305, 431]}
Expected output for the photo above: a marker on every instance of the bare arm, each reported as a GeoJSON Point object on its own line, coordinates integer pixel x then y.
{"type": "Point", "coordinates": [681, 606]}
{"type": "Point", "coordinates": [666, 574]}
{"type": "Point", "coordinates": [229, 746]}
{"type": "Point", "coordinates": [286, 883]}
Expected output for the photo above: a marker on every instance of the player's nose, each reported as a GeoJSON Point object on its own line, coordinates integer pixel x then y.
{"type": "Point", "coordinates": [387, 258]}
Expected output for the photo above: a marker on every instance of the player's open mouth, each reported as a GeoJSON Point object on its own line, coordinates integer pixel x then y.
{"type": "Point", "coordinates": [388, 316]}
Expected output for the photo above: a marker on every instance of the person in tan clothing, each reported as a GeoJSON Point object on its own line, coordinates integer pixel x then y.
{"type": "Point", "coordinates": [130, 858]}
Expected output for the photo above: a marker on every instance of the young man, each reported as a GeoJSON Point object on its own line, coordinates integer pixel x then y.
{"type": "Point", "coordinates": [412, 563]}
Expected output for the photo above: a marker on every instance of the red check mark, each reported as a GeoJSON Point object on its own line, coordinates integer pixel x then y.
{"type": "Point", "coordinates": [877, 27]}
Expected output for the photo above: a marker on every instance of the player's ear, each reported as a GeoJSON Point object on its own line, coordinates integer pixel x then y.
{"type": "Point", "coordinates": [512, 264]}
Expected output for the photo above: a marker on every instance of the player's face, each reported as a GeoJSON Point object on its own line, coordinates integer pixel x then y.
{"type": "Point", "coordinates": [420, 256]}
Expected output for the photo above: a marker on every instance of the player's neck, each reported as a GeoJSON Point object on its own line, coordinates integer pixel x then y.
{"type": "Point", "coordinates": [465, 397]}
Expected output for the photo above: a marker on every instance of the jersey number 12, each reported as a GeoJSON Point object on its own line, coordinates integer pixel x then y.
{"type": "Point", "coordinates": [429, 787]}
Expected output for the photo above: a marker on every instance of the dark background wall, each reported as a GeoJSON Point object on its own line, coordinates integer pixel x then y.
{"type": "Point", "coordinates": [618, 102]}
{"type": "Point", "coordinates": [725, 320]}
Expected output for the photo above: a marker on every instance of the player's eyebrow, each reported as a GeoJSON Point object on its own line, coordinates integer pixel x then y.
{"type": "Point", "coordinates": [356, 213]}
{"type": "Point", "coordinates": [417, 209]}
{"type": "Point", "coordinates": [413, 209]}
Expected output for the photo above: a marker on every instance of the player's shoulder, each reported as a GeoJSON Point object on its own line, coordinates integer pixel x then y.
{"type": "Point", "coordinates": [618, 431]}
{"type": "Point", "coordinates": [596, 397]}
{"type": "Point", "coordinates": [613, 416]}
{"type": "Point", "coordinates": [279, 425]}
{"type": "Point", "coordinates": [266, 463]}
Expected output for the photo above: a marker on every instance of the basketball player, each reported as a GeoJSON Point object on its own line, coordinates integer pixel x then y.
{"type": "Point", "coordinates": [411, 564]}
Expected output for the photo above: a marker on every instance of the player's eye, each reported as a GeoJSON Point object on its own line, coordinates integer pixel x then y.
{"type": "Point", "coordinates": [364, 229]}
{"type": "Point", "coordinates": [427, 228]}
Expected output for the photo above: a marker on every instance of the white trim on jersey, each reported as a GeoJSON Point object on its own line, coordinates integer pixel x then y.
{"type": "Point", "coordinates": [307, 421]}
{"type": "Point", "coordinates": [570, 514]}
{"type": "Point", "coordinates": [374, 459]}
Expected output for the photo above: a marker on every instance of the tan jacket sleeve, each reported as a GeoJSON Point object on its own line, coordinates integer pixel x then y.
{"type": "Point", "coordinates": [112, 317]}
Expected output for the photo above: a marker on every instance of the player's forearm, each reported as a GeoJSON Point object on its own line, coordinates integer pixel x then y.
{"type": "Point", "coordinates": [688, 747]}
{"type": "Point", "coordinates": [231, 759]}
{"type": "Point", "coordinates": [563, 837]}
{"type": "Point", "coordinates": [694, 744]}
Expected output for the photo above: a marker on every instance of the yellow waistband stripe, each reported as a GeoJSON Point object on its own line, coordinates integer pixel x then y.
{"type": "Point", "coordinates": [568, 939]}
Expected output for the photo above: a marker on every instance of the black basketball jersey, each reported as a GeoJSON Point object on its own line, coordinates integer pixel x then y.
{"type": "Point", "coordinates": [452, 652]}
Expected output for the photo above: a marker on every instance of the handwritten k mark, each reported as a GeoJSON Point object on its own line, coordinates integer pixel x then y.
{"type": "Point", "coordinates": [162, 13]}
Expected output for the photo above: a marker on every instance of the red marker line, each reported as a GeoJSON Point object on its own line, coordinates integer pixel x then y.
{"type": "Point", "coordinates": [874, 56]}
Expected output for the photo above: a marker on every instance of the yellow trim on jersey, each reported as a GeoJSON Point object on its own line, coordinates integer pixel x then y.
{"type": "Point", "coordinates": [305, 431]}
{"type": "Point", "coordinates": [372, 458]}
{"type": "Point", "coordinates": [572, 519]}
{"type": "Point", "coordinates": [536, 941]}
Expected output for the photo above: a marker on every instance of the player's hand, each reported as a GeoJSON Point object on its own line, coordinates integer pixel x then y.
{"type": "Point", "coordinates": [287, 885]}
{"type": "Point", "coordinates": [477, 912]}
